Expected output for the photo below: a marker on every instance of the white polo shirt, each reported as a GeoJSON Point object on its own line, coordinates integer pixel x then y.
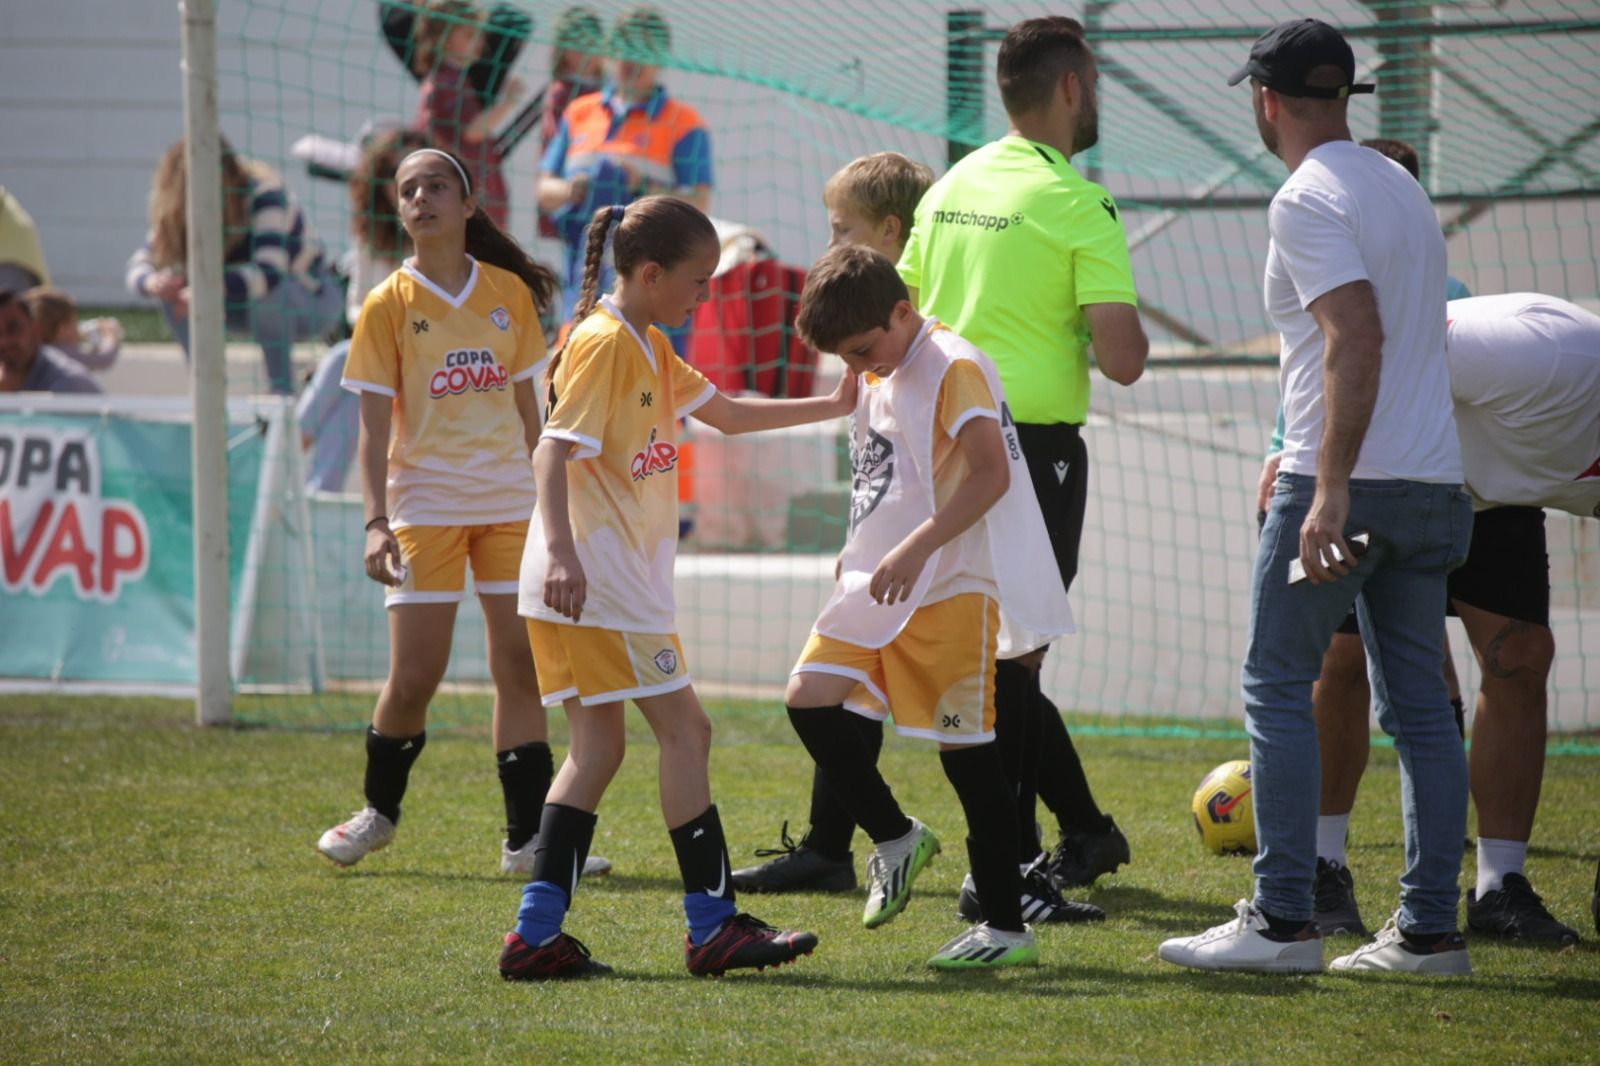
{"type": "Point", "coordinates": [1348, 214]}
{"type": "Point", "coordinates": [1525, 370]}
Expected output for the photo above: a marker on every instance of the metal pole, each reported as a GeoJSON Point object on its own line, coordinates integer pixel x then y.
{"type": "Point", "coordinates": [963, 81]}
{"type": "Point", "coordinates": [207, 362]}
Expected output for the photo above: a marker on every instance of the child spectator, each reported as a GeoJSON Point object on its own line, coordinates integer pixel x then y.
{"type": "Point", "coordinates": [450, 39]}
{"type": "Point", "coordinates": [95, 343]}
{"type": "Point", "coordinates": [329, 415]}
{"type": "Point", "coordinates": [280, 288]}
{"type": "Point", "coordinates": [26, 364]}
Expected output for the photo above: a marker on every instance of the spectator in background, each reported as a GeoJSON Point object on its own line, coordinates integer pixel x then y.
{"type": "Point", "coordinates": [95, 344]}
{"type": "Point", "coordinates": [628, 141]}
{"type": "Point", "coordinates": [450, 38]}
{"type": "Point", "coordinates": [329, 415]}
{"type": "Point", "coordinates": [506, 28]}
{"type": "Point", "coordinates": [279, 286]}
{"type": "Point", "coordinates": [576, 69]}
{"type": "Point", "coordinates": [27, 364]}
{"type": "Point", "coordinates": [21, 258]}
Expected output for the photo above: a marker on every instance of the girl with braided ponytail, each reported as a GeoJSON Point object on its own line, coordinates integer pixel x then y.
{"type": "Point", "coordinates": [596, 584]}
{"type": "Point", "coordinates": [447, 351]}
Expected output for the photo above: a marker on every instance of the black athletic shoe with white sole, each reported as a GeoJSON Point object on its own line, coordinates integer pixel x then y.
{"type": "Point", "coordinates": [1042, 904]}
{"type": "Point", "coordinates": [1514, 911]}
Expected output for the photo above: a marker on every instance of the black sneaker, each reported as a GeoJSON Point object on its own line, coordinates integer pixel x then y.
{"type": "Point", "coordinates": [1082, 857]}
{"type": "Point", "coordinates": [1335, 895]}
{"type": "Point", "coordinates": [1516, 912]}
{"type": "Point", "coordinates": [797, 868]}
{"type": "Point", "coordinates": [1041, 900]}
{"type": "Point", "coordinates": [745, 942]}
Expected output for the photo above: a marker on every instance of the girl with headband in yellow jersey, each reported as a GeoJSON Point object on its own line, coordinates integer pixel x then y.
{"type": "Point", "coordinates": [444, 358]}
{"type": "Point", "coordinates": [596, 585]}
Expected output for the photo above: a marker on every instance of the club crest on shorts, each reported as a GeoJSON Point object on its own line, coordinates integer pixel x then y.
{"type": "Point", "coordinates": [666, 661]}
{"type": "Point", "coordinates": [500, 317]}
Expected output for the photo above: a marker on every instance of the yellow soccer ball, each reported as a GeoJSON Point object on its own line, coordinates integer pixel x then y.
{"type": "Point", "coordinates": [1224, 815]}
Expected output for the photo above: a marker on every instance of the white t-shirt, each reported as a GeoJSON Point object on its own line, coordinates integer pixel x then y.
{"type": "Point", "coordinates": [1350, 214]}
{"type": "Point", "coordinates": [1525, 371]}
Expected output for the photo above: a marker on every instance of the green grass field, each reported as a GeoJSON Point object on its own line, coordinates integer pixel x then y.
{"type": "Point", "coordinates": [161, 901]}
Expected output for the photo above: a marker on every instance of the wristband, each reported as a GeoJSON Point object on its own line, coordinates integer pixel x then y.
{"type": "Point", "coordinates": [374, 521]}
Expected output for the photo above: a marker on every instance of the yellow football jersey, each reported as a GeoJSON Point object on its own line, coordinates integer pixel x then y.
{"type": "Point", "coordinates": [618, 397]}
{"type": "Point", "coordinates": [458, 455]}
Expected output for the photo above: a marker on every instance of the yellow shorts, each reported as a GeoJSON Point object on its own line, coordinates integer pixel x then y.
{"type": "Point", "coordinates": [603, 665]}
{"type": "Point", "coordinates": [436, 557]}
{"type": "Point", "coordinates": [936, 678]}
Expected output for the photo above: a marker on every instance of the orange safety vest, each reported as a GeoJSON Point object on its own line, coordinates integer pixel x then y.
{"type": "Point", "coordinates": [645, 139]}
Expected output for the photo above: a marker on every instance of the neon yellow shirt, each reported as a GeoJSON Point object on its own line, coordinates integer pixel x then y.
{"type": "Point", "coordinates": [1007, 249]}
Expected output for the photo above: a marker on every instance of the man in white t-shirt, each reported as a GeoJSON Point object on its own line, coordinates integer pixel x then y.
{"type": "Point", "coordinates": [1355, 282]}
{"type": "Point", "coordinates": [1525, 375]}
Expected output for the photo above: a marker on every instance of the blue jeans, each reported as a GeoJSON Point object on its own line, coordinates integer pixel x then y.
{"type": "Point", "coordinates": [290, 312]}
{"type": "Point", "coordinates": [1419, 533]}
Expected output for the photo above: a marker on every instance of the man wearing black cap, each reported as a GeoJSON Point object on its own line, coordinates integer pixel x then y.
{"type": "Point", "coordinates": [1355, 283]}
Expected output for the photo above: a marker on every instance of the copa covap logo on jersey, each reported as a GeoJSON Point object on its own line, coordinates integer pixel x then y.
{"type": "Point", "coordinates": [468, 370]}
{"type": "Point", "coordinates": [657, 457]}
{"type": "Point", "coordinates": [54, 523]}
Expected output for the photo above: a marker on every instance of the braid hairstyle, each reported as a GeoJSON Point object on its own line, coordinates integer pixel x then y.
{"type": "Point", "coordinates": [657, 229]}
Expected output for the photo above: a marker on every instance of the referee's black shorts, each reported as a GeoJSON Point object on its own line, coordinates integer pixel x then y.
{"type": "Point", "coordinates": [1058, 463]}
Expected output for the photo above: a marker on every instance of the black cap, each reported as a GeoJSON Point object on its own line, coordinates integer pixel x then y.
{"type": "Point", "coordinates": [1281, 58]}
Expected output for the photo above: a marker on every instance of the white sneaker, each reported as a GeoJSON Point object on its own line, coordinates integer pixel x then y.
{"type": "Point", "coordinates": [520, 862]}
{"type": "Point", "coordinates": [983, 947]}
{"type": "Point", "coordinates": [350, 842]}
{"type": "Point", "coordinates": [1242, 945]}
{"type": "Point", "coordinates": [1392, 953]}
{"type": "Point", "coordinates": [892, 868]}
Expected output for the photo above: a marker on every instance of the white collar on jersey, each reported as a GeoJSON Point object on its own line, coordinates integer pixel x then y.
{"type": "Point", "coordinates": [614, 312]}
{"type": "Point", "coordinates": [410, 267]}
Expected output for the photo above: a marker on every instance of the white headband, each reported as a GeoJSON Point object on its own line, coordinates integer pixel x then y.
{"type": "Point", "coordinates": [466, 182]}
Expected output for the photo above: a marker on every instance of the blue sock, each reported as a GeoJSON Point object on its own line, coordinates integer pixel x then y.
{"type": "Point", "coordinates": [544, 908]}
{"type": "Point", "coordinates": [706, 914]}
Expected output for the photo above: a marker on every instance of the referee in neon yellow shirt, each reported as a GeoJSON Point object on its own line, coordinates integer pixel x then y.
{"type": "Point", "coordinates": [1021, 255]}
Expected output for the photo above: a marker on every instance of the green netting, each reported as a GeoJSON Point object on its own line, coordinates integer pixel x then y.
{"type": "Point", "coordinates": [1499, 99]}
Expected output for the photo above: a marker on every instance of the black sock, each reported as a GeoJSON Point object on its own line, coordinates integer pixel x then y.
{"type": "Point", "coordinates": [1284, 928]}
{"type": "Point", "coordinates": [1063, 786]}
{"type": "Point", "coordinates": [702, 852]}
{"type": "Point", "coordinates": [1461, 716]}
{"type": "Point", "coordinates": [850, 770]}
{"type": "Point", "coordinates": [565, 834]}
{"type": "Point", "coordinates": [525, 773]}
{"type": "Point", "coordinates": [831, 824]}
{"type": "Point", "coordinates": [1425, 940]}
{"type": "Point", "coordinates": [1017, 731]}
{"type": "Point", "coordinates": [980, 784]}
{"type": "Point", "coordinates": [389, 762]}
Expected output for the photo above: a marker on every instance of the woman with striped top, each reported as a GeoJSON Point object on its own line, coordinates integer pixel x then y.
{"type": "Point", "coordinates": [279, 285]}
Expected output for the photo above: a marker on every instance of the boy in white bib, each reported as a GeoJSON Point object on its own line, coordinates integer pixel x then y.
{"type": "Point", "coordinates": [939, 543]}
